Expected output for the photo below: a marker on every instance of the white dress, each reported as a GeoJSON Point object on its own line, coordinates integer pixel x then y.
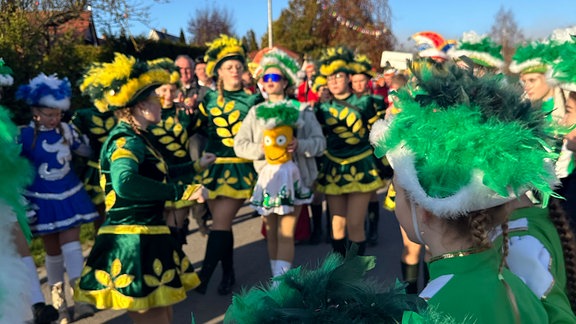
{"type": "Point", "coordinates": [278, 189]}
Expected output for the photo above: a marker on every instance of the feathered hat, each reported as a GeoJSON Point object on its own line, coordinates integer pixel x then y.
{"type": "Point", "coordinates": [433, 45]}
{"type": "Point", "coordinates": [46, 91]}
{"type": "Point", "coordinates": [279, 59]}
{"type": "Point", "coordinates": [168, 65]}
{"type": "Point", "coordinates": [564, 70]}
{"type": "Point", "coordinates": [280, 113]}
{"type": "Point", "coordinates": [462, 143]}
{"type": "Point", "coordinates": [539, 56]}
{"type": "Point", "coordinates": [222, 49]}
{"type": "Point", "coordinates": [6, 72]}
{"type": "Point", "coordinates": [362, 65]}
{"type": "Point", "coordinates": [337, 291]}
{"type": "Point", "coordinates": [122, 82]}
{"type": "Point", "coordinates": [319, 81]}
{"type": "Point", "coordinates": [336, 59]}
{"type": "Point", "coordinates": [481, 49]}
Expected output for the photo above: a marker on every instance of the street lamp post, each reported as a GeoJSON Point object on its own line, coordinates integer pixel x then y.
{"type": "Point", "coordinates": [270, 23]}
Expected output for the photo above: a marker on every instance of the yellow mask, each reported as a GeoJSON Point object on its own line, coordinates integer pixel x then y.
{"type": "Point", "coordinates": [276, 141]}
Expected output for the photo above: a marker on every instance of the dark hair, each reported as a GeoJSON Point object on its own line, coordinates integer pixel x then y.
{"type": "Point", "coordinates": [199, 60]}
{"type": "Point", "coordinates": [558, 217]}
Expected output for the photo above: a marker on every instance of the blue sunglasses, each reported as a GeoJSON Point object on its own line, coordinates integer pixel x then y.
{"type": "Point", "coordinates": [272, 77]}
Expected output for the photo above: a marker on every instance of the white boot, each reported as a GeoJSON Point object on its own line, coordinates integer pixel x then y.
{"type": "Point", "coordinates": [59, 302]}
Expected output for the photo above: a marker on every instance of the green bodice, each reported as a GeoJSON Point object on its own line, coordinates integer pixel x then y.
{"type": "Point", "coordinates": [220, 119]}
{"type": "Point", "coordinates": [95, 125]}
{"type": "Point", "coordinates": [347, 126]}
{"type": "Point", "coordinates": [468, 287]}
{"type": "Point", "coordinates": [134, 178]}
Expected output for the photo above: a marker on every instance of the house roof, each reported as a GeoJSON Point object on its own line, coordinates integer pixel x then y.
{"type": "Point", "coordinates": [158, 35]}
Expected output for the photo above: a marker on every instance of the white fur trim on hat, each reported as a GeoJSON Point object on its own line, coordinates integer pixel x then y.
{"type": "Point", "coordinates": [471, 197]}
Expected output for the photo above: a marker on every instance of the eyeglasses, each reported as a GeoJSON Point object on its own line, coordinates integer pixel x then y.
{"type": "Point", "coordinates": [336, 76]}
{"type": "Point", "coordinates": [51, 115]}
{"type": "Point", "coordinates": [272, 77]}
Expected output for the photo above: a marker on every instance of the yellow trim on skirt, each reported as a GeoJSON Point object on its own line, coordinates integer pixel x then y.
{"type": "Point", "coordinates": [134, 229]}
{"type": "Point", "coordinates": [224, 160]}
{"type": "Point", "coordinates": [351, 159]}
{"type": "Point", "coordinates": [110, 298]}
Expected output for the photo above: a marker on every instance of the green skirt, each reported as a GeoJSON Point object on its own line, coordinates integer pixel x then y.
{"type": "Point", "coordinates": [229, 177]}
{"type": "Point", "coordinates": [135, 268]}
{"type": "Point", "coordinates": [359, 173]}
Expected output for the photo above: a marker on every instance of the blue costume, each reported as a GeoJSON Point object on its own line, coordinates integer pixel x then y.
{"type": "Point", "coordinates": [56, 192]}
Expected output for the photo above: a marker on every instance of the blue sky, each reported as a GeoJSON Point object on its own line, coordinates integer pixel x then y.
{"type": "Point", "coordinates": [450, 18]}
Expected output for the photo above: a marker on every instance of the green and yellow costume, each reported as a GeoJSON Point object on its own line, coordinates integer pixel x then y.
{"type": "Point", "coordinates": [219, 120]}
{"type": "Point", "coordinates": [348, 164]}
{"type": "Point", "coordinates": [135, 264]}
{"type": "Point", "coordinates": [154, 272]}
{"type": "Point", "coordinates": [96, 126]}
{"type": "Point", "coordinates": [171, 138]}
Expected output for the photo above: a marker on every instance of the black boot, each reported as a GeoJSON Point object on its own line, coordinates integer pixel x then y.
{"type": "Point", "coordinates": [328, 225]}
{"type": "Point", "coordinates": [215, 251]}
{"type": "Point", "coordinates": [316, 236]}
{"type": "Point", "coordinates": [228, 277]}
{"type": "Point", "coordinates": [339, 246]}
{"type": "Point", "coordinates": [44, 314]}
{"type": "Point", "coordinates": [410, 276]}
{"type": "Point", "coordinates": [426, 275]}
{"type": "Point", "coordinates": [372, 220]}
{"type": "Point", "coordinates": [361, 247]}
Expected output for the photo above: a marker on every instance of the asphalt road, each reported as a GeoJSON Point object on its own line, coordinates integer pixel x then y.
{"type": "Point", "coordinates": [252, 267]}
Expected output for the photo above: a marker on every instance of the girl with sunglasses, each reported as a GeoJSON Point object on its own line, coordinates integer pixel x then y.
{"type": "Point", "coordinates": [348, 174]}
{"type": "Point", "coordinates": [282, 137]}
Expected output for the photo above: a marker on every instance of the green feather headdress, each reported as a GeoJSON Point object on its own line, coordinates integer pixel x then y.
{"type": "Point", "coordinates": [6, 72]}
{"type": "Point", "coordinates": [221, 49]}
{"type": "Point", "coordinates": [16, 172]}
{"type": "Point", "coordinates": [121, 83]}
{"type": "Point", "coordinates": [564, 70]}
{"type": "Point", "coordinates": [336, 59]}
{"type": "Point", "coordinates": [463, 143]}
{"type": "Point", "coordinates": [538, 57]}
{"type": "Point", "coordinates": [279, 59]}
{"type": "Point", "coordinates": [362, 65]}
{"type": "Point", "coordinates": [279, 113]}
{"type": "Point", "coordinates": [481, 49]}
{"type": "Point", "coordinates": [336, 292]}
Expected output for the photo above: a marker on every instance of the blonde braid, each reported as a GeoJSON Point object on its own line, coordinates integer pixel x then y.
{"type": "Point", "coordinates": [479, 223]}
{"type": "Point", "coordinates": [220, 87]}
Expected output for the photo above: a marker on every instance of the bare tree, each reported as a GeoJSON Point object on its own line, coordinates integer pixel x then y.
{"type": "Point", "coordinates": [505, 32]}
{"type": "Point", "coordinates": [209, 23]}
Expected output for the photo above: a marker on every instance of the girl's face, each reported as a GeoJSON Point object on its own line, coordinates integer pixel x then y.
{"type": "Point", "coordinates": [231, 74]}
{"type": "Point", "coordinates": [150, 109]}
{"type": "Point", "coordinates": [359, 83]}
{"type": "Point", "coordinates": [274, 81]}
{"type": "Point", "coordinates": [47, 117]}
{"type": "Point", "coordinates": [535, 86]}
{"type": "Point", "coordinates": [167, 94]}
{"type": "Point", "coordinates": [338, 83]}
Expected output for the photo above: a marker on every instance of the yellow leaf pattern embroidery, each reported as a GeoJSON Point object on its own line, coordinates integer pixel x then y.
{"type": "Point", "coordinates": [101, 127]}
{"type": "Point", "coordinates": [114, 279]}
{"type": "Point", "coordinates": [161, 277]}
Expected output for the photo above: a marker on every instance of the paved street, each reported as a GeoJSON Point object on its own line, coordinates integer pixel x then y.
{"type": "Point", "coordinates": [252, 267]}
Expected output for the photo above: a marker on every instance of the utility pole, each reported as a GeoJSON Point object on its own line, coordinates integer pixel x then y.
{"type": "Point", "coordinates": [270, 23]}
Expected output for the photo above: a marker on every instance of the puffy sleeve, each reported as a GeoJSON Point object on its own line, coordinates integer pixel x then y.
{"type": "Point", "coordinates": [125, 155]}
{"type": "Point", "coordinates": [245, 144]}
